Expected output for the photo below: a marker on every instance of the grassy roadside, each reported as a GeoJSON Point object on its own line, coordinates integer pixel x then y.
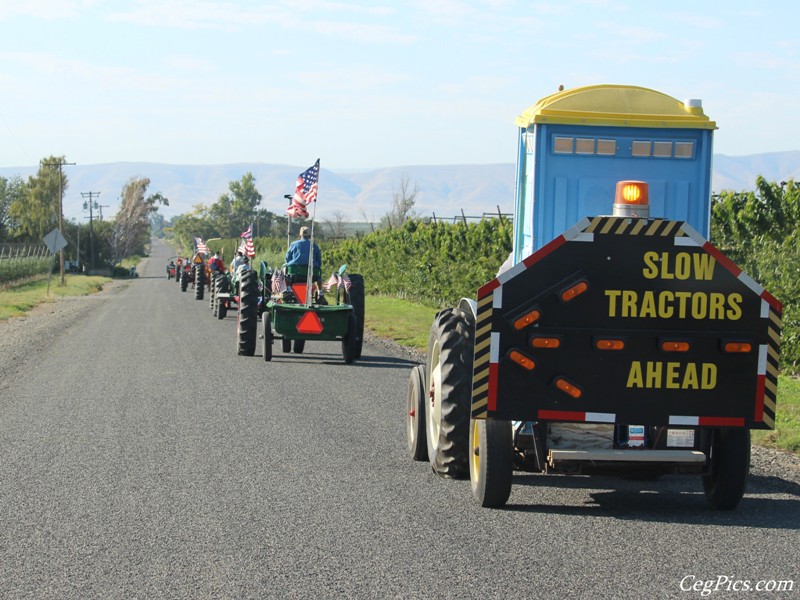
{"type": "Point", "coordinates": [409, 324]}
{"type": "Point", "coordinates": [19, 299]}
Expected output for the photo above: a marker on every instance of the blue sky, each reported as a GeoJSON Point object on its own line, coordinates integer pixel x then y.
{"type": "Point", "coordinates": [370, 84]}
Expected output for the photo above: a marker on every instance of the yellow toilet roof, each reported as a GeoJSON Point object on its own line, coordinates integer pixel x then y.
{"type": "Point", "coordinates": [615, 105]}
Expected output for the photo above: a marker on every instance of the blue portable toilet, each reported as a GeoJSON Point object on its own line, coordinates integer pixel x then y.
{"type": "Point", "coordinates": [576, 144]}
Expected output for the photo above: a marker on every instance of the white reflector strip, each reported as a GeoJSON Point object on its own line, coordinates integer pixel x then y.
{"type": "Point", "coordinates": [494, 348]}
{"type": "Point", "coordinates": [512, 272]}
{"type": "Point", "coordinates": [751, 283]}
{"type": "Point", "coordinates": [601, 417]}
{"type": "Point", "coordinates": [686, 241]}
{"type": "Point", "coordinates": [573, 232]}
{"type": "Point", "coordinates": [764, 309]}
{"type": "Point", "coordinates": [690, 231]}
{"type": "Point", "coordinates": [583, 237]}
{"type": "Point", "coordinates": [678, 420]}
{"type": "Point", "coordinates": [497, 297]}
{"type": "Point", "coordinates": [762, 359]}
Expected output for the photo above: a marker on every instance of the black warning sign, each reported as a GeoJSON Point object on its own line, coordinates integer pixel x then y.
{"type": "Point", "coordinates": [627, 321]}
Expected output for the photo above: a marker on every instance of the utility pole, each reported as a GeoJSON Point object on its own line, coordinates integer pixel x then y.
{"type": "Point", "coordinates": [60, 164]}
{"type": "Point", "coordinates": [91, 203]}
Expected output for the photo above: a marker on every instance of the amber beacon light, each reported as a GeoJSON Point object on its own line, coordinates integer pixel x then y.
{"type": "Point", "coordinates": [632, 199]}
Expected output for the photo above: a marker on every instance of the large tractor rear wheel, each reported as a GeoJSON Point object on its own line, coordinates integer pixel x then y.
{"type": "Point", "coordinates": [184, 281]}
{"type": "Point", "coordinates": [199, 281]}
{"type": "Point", "coordinates": [355, 298]}
{"type": "Point", "coordinates": [729, 466]}
{"type": "Point", "coordinates": [415, 414]}
{"type": "Point", "coordinates": [449, 386]}
{"type": "Point", "coordinates": [491, 462]}
{"type": "Point", "coordinates": [248, 313]}
{"type": "Point", "coordinates": [212, 292]}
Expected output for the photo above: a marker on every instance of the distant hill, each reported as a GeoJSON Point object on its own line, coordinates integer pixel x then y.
{"type": "Point", "coordinates": [443, 189]}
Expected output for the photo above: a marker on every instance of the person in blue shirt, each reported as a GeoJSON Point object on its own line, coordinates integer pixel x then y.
{"type": "Point", "coordinates": [297, 254]}
{"type": "Point", "coordinates": [297, 257]}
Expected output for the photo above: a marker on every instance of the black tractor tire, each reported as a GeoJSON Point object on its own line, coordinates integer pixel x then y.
{"type": "Point", "coordinates": [729, 467]}
{"type": "Point", "coordinates": [247, 330]}
{"type": "Point", "coordinates": [355, 298]}
{"type": "Point", "coordinates": [299, 346]}
{"type": "Point", "coordinates": [212, 291]}
{"type": "Point", "coordinates": [266, 322]}
{"type": "Point", "coordinates": [349, 340]}
{"type": "Point", "coordinates": [491, 463]}
{"type": "Point", "coordinates": [286, 345]}
{"type": "Point", "coordinates": [184, 281]}
{"type": "Point", "coordinates": [415, 414]}
{"type": "Point", "coordinates": [449, 385]}
{"type": "Point", "coordinates": [222, 286]}
{"type": "Point", "coordinates": [199, 282]}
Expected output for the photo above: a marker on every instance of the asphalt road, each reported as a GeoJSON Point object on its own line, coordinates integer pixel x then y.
{"type": "Point", "coordinates": [140, 457]}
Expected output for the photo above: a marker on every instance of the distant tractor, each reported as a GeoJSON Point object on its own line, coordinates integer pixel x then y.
{"type": "Point", "coordinates": [623, 344]}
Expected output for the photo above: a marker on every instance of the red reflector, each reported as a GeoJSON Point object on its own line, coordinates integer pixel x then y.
{"type": "Point", "coordinates": [527, 319]}
{"type": "Point", "coordinates": [672, 346]}
{"type": "Point", "coordinates": [566, 387]}
{"type": "Point", "coordinates": [543, 342]}
{"type": "Point", "coordinates": [575, 290]}
{"type": "Point", "coordinates": [309, 323]}
{"type": "Point", "coordinates": [522, 360]}
{"type": "Point", "coordinates": [738, 347]}
{"type": "Point", "coordinates": [299, 291]}
{"type": "Point", "coordinates": [609, 344]}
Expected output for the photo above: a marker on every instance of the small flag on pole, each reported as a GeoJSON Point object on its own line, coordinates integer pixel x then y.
{"type": "Point", "coordinates": [201, 246]}
{"type": "Point", "coordinates": [247, 247]}
{"type": "Point", "coordinates": [305, 192]}
{"type": "Point", "coordinates": [340, 281]}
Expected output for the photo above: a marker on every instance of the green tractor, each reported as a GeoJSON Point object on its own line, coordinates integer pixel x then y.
{"type": "Point", "coordinates": [294, 313]}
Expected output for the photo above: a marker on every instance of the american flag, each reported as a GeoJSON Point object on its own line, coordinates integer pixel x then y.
{"type": "Point", "coordinates": [306, 191]}
{"type": "Point", "coordinates": [340, 281]}
{"type": "Point", "coordinates": [201, 245]}
{"type": "Point", "coordinates": [278, 282]}
{"type": "Point", "coordinates": [246, 247]}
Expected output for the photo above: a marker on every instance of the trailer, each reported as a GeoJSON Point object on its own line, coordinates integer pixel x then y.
{"type": "Point", "coordinates": [618, 340]}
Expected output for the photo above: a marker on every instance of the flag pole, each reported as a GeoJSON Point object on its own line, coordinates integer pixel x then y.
{"type": "Point", "coordinates": [310, 277]}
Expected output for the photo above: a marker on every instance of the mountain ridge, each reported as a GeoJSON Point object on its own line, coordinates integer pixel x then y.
{"type": "Point", "coordinates": [360, 194]}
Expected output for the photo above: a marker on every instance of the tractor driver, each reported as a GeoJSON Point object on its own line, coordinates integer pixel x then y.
{"type": "Point", "coordinates": [215, 263]}
{"type": "Point", "coordinates": [298, 254]}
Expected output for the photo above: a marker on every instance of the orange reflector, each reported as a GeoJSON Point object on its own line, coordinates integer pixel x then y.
{"type": "Point", "coordinates": [632, 192]}
{"type": "Point", "coordinates": [522, 360]}
{"type": "Point", "coordinates": [670, 346]}
{"type": "Point", "coordinates": [738, 347]}
{"type": "Point", "coordinates": [545, 342]}
{"type": "Point", "coordinates": [566, 387]}
{"type": "Point", "coordinates": [299, 291]}
{"type": "Point", "coordinates": [309, 323]}
{"type": "Point", "coordinates": [575, 290]}
{"type": "Point", "coordinates": [527, 319]}
{"type": "Point", "coordinates": [609, 344]}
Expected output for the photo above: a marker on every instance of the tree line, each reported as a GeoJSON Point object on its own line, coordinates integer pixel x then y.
{"type": "Point", "coordinates": [29, 209]}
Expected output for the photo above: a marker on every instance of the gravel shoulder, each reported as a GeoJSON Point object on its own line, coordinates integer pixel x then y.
{"type": "Point", "coordinates": [22, 337]}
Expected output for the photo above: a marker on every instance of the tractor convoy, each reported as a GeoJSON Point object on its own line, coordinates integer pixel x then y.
{"type": "Point", "coordinates": [290, 310]}
{"type": "Point", "coordinates": [615, 340]}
